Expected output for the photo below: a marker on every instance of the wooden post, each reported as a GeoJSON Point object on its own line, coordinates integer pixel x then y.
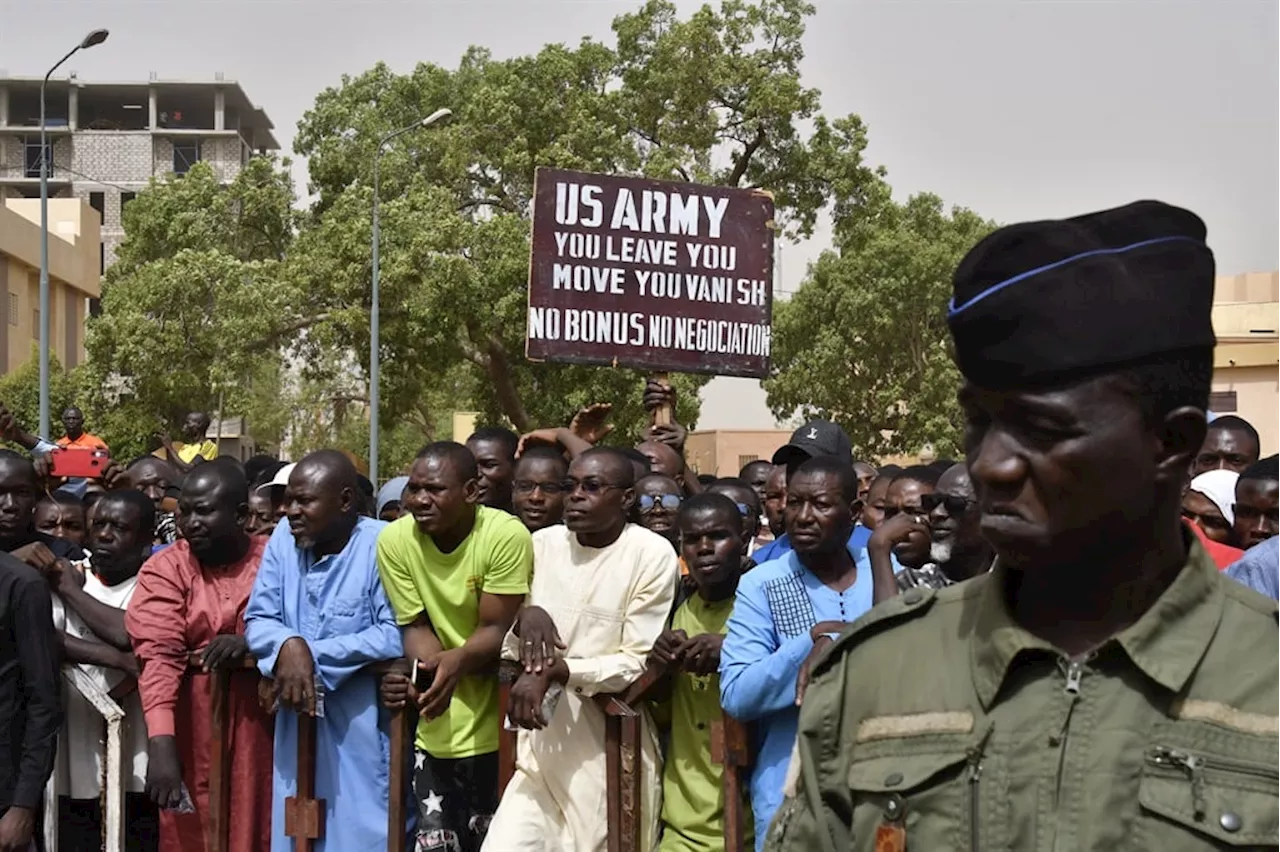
{"type": "Point", "coordinates": [402, 740]}
{"type": "Point", "coordinates": [730, 749]}
{"type": "Point", "coordinates": [304, 813]}
{"type": "Point", "coordinates": [665, 414]}
{"type": "Point", "coordinates": [219, 838]}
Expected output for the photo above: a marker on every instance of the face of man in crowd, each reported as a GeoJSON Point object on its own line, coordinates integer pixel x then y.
{"type": "Point", "coordinates": [61, 521]}
{"type": "Point", "coordinates": [117, 541]}
{"type": "Point", "coordinates": [1204, 513]}
{"type": "Point", "coordinates": [17, 497]}
{"type": "Point", "coordinates": [877, 499]}
{"type": "Point", "coordinates": [954, 517]}
{"type": "Point", "coordinates": [747, 502]}
{"type": "Point", "coordinates": [262, 512]}
{"type": "Point", "coordinates": [1255, 510]}
{"type": "Point", "coordinates": [73, 423]}
{"type": "Point", "coordinates": [439, 495]}
{"type": "Point", "coordinates": [153, 477]}
{"type": "Point", "coordinates": [904, 498]}
{"type": "Point", "coordinates": [1061, 473]}
{"type": "Point", "coordinates": [497, 469]}
{"type": "Point", "coordinates": [662, 460]}
{"type": "Point", "coordinates": [317, 508]}
{"type": "Point", "coordinates": [1225, 449]}
{"type": "Point", "coordinates": [775, 500]}
{"type": "Point", "coordinates": [597, 499]}
{"type": "Point", "coordinates": [538, 494]}
{"type": "Point", "coordinates": [658, 498]}
{"type": "Point", "coordinates": [711, 543]}
{"type": "Point", "coordinates": [866, 475]}
{"type": "Point", "coordinates": [210, 517]}
{"type": "Point", "coordinates": [756, 475]}
{"type": "Point", "coordinates": [818, 518]}
{"type": "Point", "coordinates": [194, 426]}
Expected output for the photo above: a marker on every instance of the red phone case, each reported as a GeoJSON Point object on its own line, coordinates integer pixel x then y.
{"type": "Point", "coordinates": [78, 464]}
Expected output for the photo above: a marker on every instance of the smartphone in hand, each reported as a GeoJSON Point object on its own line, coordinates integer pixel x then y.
{"type": "Point", "coordinates": [421, 678]}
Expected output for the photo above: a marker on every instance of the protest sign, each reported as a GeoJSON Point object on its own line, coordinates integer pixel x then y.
{"type": "Point", "coordinates": [633, 272]}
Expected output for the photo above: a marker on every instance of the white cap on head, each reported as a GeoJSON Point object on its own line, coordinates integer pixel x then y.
{"type": "Point", "coordinates": [281, 478]}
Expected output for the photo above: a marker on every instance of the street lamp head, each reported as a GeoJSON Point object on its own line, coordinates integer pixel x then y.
{"type": "Point", "coordinates": [437, 117]}
{"type": "Point", "coordinates": [95, 37]}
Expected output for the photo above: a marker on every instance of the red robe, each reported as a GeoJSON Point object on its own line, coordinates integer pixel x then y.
{"type": "Point", "coordinates": [178, 608]}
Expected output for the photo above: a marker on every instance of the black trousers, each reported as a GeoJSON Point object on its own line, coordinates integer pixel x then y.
{"type": "Point", "coordinates": [80, 824]}
{"type": "Point", "coordinates": [456, 800]}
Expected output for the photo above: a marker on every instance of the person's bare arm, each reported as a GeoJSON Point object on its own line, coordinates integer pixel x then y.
{"type": "Point", "coordinates": [77, 650]}
{"type": "Point", "coordinates": [106, 622]}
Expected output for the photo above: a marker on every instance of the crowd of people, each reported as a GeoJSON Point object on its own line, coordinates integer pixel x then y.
{"type": "Point", "coordinates": [1040, 645]}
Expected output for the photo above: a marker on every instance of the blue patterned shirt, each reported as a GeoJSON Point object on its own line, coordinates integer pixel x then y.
{"type": "Point", "coordinates": [778, 603]}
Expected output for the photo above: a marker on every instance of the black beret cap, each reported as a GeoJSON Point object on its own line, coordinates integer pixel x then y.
{"type": "Point", "coordinates": [1040, 303]}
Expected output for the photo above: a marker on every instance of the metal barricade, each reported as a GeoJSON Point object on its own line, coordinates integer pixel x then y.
{"type": "Point", "coordinates": [113, 812]}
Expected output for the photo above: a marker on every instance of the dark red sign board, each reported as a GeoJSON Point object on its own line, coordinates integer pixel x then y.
{"type": "Point", "coordinates": [656, 275]}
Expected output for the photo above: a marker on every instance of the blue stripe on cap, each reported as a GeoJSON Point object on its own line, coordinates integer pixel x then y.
{"type": "Point", "coordinates": [952, 310]}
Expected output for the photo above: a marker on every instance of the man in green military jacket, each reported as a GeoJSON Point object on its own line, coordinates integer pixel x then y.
{"type": "Point", "coordinates": [1103, 688]}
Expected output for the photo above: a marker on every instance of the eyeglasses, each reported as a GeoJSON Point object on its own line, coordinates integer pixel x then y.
{"type": "Point", "coordinates": [954, 503]}
{"type": "Point", "coordinates": [588, 486]}
{"type": "Point", "coordinates": [649, 502]}
{"type": "Point", "coordinates": [528, 486]}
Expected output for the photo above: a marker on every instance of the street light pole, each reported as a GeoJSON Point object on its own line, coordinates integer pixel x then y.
{"type": "Point", "coordinates": [95, 37]}
{"type": "Point", "coordinates": [375, 308]}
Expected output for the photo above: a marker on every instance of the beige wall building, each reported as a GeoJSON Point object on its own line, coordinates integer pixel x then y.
{"type": "Point", "coordinates": [724, 452]}
{"type": "Point", "coordinates": [1246, 364]}
{"type": "Point", "coordinates": [74, 245]}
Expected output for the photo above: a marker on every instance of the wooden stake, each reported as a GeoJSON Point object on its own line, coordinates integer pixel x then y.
{"type": "Point", "coordinates": [304, 813]}
{"type": "Point", "coordinates": [665, 414]}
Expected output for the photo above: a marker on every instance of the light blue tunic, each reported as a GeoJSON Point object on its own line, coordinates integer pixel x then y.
{"type": "Point", "coordinates": [338, 606]}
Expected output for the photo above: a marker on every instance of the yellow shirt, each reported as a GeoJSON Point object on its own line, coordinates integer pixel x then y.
{"type": "Point", "coordinates": [188, 452]}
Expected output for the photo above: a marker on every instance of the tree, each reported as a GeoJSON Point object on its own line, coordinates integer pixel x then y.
{"type": "Point", "coordinates": [715, 98]}
{"type": "Point", "coordinates": [20, 393]}
{"type": "Point", "coordinates": [196, 311]}
{"type": "Point", "coordinates": [864, 340]}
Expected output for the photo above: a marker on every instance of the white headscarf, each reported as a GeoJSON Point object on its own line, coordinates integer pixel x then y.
{"type": "Point", "coordinates": [1220, 487]}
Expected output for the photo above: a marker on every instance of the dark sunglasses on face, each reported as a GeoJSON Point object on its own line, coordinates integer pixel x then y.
{"type": "Point", "coordinates": [588, 486]}
{"type": "Point", "coordinates": [954, 503]}
{"type": "Point", "coordinates": [528, 486]}
{"type": "Point", "coordinates": [1252, 513]}
{"type": "Point", "coordinates": [671, 502]}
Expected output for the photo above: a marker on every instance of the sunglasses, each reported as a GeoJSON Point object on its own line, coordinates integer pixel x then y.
{"type": "Point", "coordinates": [649, 502]}
{"type": "Point", "coordinates": [588, 486]}
{"type": "Point", "coordinates": [954, 503]}
{"type": "Point", "coordinates": [528, 486]}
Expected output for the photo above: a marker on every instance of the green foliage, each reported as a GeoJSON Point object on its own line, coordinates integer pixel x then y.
{"type": "Point", "coordinates": [715, 98]}
{"type": "Point", "coordinates": [864, 339]}
{"type": "Point", "coordinates": [195, 310]}
{"type": "Point", "coordinates": [20, 393]}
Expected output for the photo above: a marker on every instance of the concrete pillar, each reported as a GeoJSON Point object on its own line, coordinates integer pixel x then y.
{"type": "Point", "coordinates": [219, 109]}
{"type": "Point", "coordinates": [73, 106]}
{"type": "Point", "coordinates": [151, 105]}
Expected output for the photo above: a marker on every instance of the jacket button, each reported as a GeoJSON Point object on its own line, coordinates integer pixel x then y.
{"type": "Point", "coordinates": [912, 596]}
{"type": "Point", "coordinates": [1230, 822]}
{"type": "Point", "coordinates": [893, 780]}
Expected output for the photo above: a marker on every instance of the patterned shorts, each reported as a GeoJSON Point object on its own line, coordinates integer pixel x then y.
{"type": "Point", "coordinates": [456, 800]}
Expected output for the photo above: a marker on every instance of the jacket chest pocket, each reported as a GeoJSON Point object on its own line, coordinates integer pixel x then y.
{"type": "Point", "coordinates": [924, 799]}
{"type": "Point", "coordinates": [343, 616]}
{"type": "Point", "coordinates": [1207, 795]}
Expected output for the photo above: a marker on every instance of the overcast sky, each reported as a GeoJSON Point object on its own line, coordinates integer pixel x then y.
{"type": "Point", "coordinates": [1015, 108]}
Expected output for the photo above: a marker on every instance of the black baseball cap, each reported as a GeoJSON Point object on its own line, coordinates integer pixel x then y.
{"type": "Point", "coordinates": [816, 439]}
